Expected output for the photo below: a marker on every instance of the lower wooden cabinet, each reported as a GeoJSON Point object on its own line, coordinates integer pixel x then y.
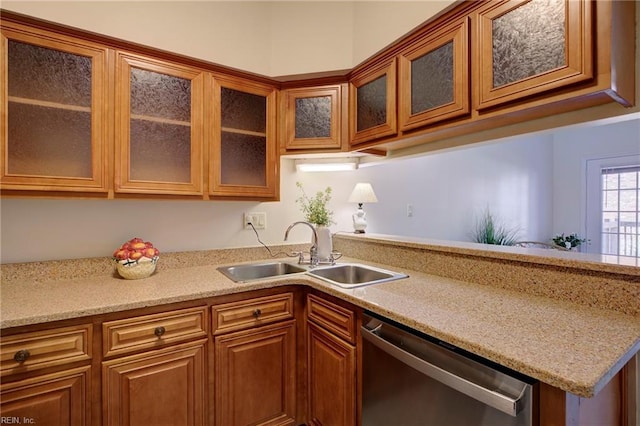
{"type": "Point", "coordinates": [331, 366]}
{"type": "Point", "coordinates": [56, 399]}
{"type": "Point", "coordinates": [255, 376]}
{"type": "Point", "coordinates": [163, 387]}
{"type": "Point", "coordinates": [332, 336]}
{"type": "Point", "coordinates": [265, 358]}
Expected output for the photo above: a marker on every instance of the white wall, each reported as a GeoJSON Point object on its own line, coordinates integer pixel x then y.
{"type": "Point", "coordinates": [269, 38]}
{"type": "Point", "coordinates": [527, 181]}
{"type": "Point", "coordinates": [43, 229]}
{"type": "Point", "coordinates": [513, 179]}
{"type": "Point", "coordinates": [448, 191]}
{"type": "Point", "coordinates": [572, 148]}
{"type": "Point", "coordinates": [379, 23]}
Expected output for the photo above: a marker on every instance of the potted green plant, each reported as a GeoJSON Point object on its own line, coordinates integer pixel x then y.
{"type": "Point", "coordinates": [489, 230]}
{"type": "Point", "coordinates": [569, 241]}
{"type": "Point", "coordinates": [316, 212]}
{"type": "Point", "coordinates": [315, 208]}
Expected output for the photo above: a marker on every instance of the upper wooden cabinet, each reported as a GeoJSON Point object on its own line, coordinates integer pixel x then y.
{"type": "Point", "coordinates": [54, 111]}
{"type": "Point", "coordinates": [434, 77]}
{"type": "Point", "coordinates": [243, 148]}
{"type": "Point", "coordinates": [314, 118]}
{"type": "Point", "coordinates": [482, 65]}
{"type": "Point", "coordinates": [159, 118]}
{"type": "Point", "coordinates": [526, 47]}
{"type": "Point", "coordinates": [372, 103]}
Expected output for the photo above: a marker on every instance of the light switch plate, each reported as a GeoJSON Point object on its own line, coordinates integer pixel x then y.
{"type": "Point", "coordinates": [258, 219]}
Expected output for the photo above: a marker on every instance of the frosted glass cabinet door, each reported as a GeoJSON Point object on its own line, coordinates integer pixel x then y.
{"type": "Point", "coordinates": [372, 104]}
{"type": "Point", "coordinates": [527, 47]}
{"type": "Point", "coordinates": [159, 143]}
{"type": "Point", "coordinates": [434, 77]}
{"type": "Point", "coordinates": [242, 156]}
{"type": "Point", "coordinates": [55, 112]}
{"type": "Point", "coordinates": [313, 117]}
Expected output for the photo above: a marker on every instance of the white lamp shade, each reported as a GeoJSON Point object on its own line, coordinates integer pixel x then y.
{"type": "Point", "coordinates": [363, 193]}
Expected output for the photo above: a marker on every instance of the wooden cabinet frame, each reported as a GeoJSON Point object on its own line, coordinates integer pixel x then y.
{"type": "Point", "coordinates": [215, 83]}
{"type": "Point", "coordinates": [579, 55]}
{"type": "Point", "coordinates": [388, 128]}
{"type": "Point", "coordinates": [64, 396]}
{"type": "Point", "coordinates": [243, 353]}
{"type": "Point", "coordinates": [458, 34]}
{"type": "Point", "coordinates": [289, 99]}
{"type": "Point", "coordinates": [98, 182]}
{"type": "Point", "coordinates": [123, 181]}
{"type": "Point", "coordinates": [121, 376]}
{"type": "Point", "coordinates": [331, 369]}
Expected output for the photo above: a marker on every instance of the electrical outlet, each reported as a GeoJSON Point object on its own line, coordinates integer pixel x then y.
{"type": "Point", "coordinates": [409, 210]}
{"type": "Point", "coordinates": [258, 219]}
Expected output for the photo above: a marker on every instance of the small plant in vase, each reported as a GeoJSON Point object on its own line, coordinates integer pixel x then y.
{"type": "Point", "coordinates": [568, 241]}
{"type": "Point", "coordinates": [316, 212]}
{"type": "Point", "coordinates": [315, 208]}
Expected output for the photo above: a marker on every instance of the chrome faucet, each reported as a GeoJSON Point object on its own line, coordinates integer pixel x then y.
{"type": "Point", "coordinates": [313, 251]}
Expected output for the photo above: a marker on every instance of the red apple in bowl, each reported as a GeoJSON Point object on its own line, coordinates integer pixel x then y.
{"type": "Point", "coordinates": [140, 245]}
{"type": "Point", "coordinates": [121, 254]}
{"type": "Point", "coordinates": [150, 252]}
{"type": "Point", "coordinates": [135, 255]}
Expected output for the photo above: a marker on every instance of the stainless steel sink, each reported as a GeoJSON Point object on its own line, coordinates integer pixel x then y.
{"type": "Point", "coordinates": [256, 271]}
{"type": "Point", "coordinates": [350, 275]}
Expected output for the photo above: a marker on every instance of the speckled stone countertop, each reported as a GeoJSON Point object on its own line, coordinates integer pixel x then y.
{"type": "Point", "coordinates": [573, 346]}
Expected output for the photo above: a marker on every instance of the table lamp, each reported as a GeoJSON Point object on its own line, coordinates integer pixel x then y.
{"type": "Point", "coordinates": [362, 193]}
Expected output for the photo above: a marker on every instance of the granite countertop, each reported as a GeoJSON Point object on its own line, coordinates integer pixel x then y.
{"type": "Point", "coordinates": [573, 347]}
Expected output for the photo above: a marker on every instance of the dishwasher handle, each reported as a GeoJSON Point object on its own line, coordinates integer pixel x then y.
{"type": "Point", "coordinates": [489, 397]}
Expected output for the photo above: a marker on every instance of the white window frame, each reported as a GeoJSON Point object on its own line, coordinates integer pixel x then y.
{"type": "Point", "coordinates": [593, 194]}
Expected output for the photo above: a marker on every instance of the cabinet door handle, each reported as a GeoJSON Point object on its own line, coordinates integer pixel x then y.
{"type": "Point", "coordinates": [257, 313]}
{"type": "Point", "coordinates": [21, 356]}
{"type": "Point", "coordinates": [159, 331]}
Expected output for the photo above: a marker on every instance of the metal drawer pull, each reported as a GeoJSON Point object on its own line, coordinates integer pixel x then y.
{"type": "Point", "coordinates": [21, 356]}
{"type": "Point", "coordinates": [257, 313]}
{"type": "Point", "coordinates": [159, 331]}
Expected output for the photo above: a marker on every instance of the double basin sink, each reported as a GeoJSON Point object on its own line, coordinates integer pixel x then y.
{"type": "Point", "coordinates": [345, 275]}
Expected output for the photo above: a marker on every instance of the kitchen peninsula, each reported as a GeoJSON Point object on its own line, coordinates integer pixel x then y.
{"type": "Point", "coordinates": [570, 320]}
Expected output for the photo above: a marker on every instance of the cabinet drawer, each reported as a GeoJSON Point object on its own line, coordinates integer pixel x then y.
{"type": "Point", "coordinates": [42, 349]}
{"type": "Point", "coordinates": [152, 331]}
{"type": "Point", "coordinates": [336, 319]}
{"type": "Point", "coordinates": [250, 313]}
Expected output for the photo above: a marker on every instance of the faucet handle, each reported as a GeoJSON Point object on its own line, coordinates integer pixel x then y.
{"type": "Point", "coordinates": [313, 256]}
{"type": "Point", "coordinates": [299, 254]}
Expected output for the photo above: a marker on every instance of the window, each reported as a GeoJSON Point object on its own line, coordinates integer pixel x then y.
{"type": "Point", "coordinates": [612, 212]}
{"type": "Point", "coordinates": [620, 210]}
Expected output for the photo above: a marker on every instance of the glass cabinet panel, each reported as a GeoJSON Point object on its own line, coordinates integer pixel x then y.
{"type": "Point", "coordinates": [434, 77]}
{"type": "Point", "coordinates": [160, 133]}
{"type": "Point", "coordinates": [527, 47]}
{"type": "Point", "coordinates": [372, 107]}
{"type": "Point", "coordinates": [528, 40]}
{"type": "Point", "coordinates": [372, 104]}
{"type": "Point", "coordinates": [160, 140]}
{"type": "Point", "coordinates": [244, 138]}
{"type": "Point", "coordinates": [54, 116]}
{"type": "Point", "coordinates": [242, 156]}
{"type": "Point", "coordinates": [313, 117]}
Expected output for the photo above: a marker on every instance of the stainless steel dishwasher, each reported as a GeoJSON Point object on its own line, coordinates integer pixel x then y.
{"type": "Point", "coordinates": [412, 380]}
